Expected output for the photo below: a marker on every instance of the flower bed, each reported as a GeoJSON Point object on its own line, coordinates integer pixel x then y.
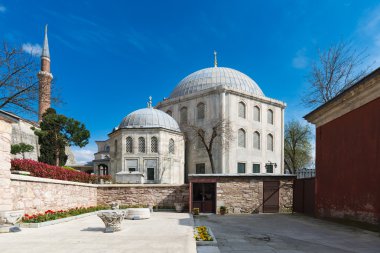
{"type": "Point", "coordinates": [54, 215]}
{"type": "Point", "coordinates": [38, 169]}
{"type": "Point", "coordinates": [201, 233]}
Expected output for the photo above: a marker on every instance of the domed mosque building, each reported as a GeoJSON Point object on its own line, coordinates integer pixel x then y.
{"type": "Point", "coordinates": [253, 142]}
{"type": "Point", "coordinates": [164, 145]}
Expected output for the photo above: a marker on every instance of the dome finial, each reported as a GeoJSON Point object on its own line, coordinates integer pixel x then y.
{"type": "Point", "coordinates": [215, 59]}
{"type": "Point", "coordinates": [150, 102]}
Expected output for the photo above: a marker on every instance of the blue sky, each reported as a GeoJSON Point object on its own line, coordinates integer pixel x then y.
{"type": "Point", "coordinates": [109, 57]}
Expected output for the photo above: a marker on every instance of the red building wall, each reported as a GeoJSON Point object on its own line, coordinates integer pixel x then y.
{"type": "Point", "coordinates": [348, 165]}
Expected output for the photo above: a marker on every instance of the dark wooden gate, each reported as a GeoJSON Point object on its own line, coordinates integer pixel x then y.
{"type": "Point", "coordinates": [204, 197]}
{"type": "Point", "coordinates": [304, 196]}
{"type": "Point", "coordinates": [271, 196]}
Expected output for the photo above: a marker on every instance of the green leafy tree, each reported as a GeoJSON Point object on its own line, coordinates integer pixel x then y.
{"type": "Point", "coordinates": [297, 146]}
{"type": "Point", "coordinates": [56, 132]}
{"type": "Point", "coordinates": [21, 148]}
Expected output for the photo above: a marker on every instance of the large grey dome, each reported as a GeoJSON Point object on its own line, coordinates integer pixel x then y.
{"type": "Point", "coordinates": [149, 118]}
{"type": "Point", "coordinates": [215, 77]}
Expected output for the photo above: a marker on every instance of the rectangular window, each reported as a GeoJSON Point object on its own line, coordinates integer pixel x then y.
{"type": "Point", "coordinates": [241, 167]}
{"type": "Point", "coordinates": [150, 172]}
{"type": "Point", "coordinates": [269, 168]}
{"type": "Point", "coordinates": [256, 168]}
{"type": "Point", "coordinates": [131, 169]}
{"type": "Point", "coordinates": [200, 168]}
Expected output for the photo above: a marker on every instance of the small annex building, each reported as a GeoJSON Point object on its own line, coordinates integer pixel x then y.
{"type": "Point", "coordinates": [146, 147]}
{"type": "Point", "coordinates": [348, 153]}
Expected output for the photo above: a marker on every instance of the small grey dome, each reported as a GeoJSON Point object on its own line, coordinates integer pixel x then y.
{"type": "Point", "coordinates": [215, 77]}
{"type": "Point", "coordinates": [149, 118]}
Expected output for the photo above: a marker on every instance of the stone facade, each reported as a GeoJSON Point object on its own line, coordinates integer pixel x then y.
{"type": "Point", "coordinates": [244, 194]}
{"type": "Point", "coordinates": [158, 195]}
{"type": "Point", "coordinates": [223, 104]}
{"type": "Point", "coordinates": [5, 165]}
{"type": "Point", "coordinates": [40, 194]}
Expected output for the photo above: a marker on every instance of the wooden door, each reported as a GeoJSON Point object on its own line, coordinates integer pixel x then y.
{"type": "Point", "coordinates": [271, 197]}
{"type": "Point", "coordinates": [204, 197]}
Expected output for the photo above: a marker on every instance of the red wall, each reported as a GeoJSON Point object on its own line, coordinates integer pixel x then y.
{"type": "Point", "coordinates": [348, 165]}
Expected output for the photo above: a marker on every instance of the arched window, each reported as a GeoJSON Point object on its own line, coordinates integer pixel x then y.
{"type": "Point", "coordinates": [107, 148]}
{"type": "Point", "coordinates": [241, 138]}
{"type": "Point", "coordinates": [241, 110]}
{"type": "Point", "coordinates": [169, 112]}
{"type": "Point", "coordinates": [171, 146]}
{"type": "Point", "coordinates": [141, 144]}
{"type": "Point", "coordinates": [270, 142]}
{"type": "Point", "coordinates": [154, 145]}
{"type": "Point", "coordinates": [256, 113]}
{"type": "Point", "coordinates": [115, 147]}
{"type": "Point", "coordinates": [183, 115]}
{"type": "Point", "coordinates": [102, 170]}
{"type": "Point", "coordinates": [201, 111]}
{"type": "Point", "coordinates": [270, 116]}
{"type": "Point", "coordinates": [256, 140]}
{"type": "Point", "coordinates": [129, 145]}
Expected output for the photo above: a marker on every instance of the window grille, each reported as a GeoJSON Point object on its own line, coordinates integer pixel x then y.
{"type": "Point", "coordinates": [141, 144]}
{"type": "Point", "coordinates": [154, 145]}
{"type": "Point", "coordinates": [129, 144]}
{"type": "Point", "coordinates": [171, 146]}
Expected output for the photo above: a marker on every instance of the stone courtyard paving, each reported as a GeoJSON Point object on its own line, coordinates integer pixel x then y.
{"type": "Point", "coordinates": [163, 232]}
{"type": "Point", "coordinates": [287, 233]}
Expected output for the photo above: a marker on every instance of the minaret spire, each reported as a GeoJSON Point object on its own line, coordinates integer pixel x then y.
{"type": "Point", "coordinates": [215, 59]}
{"type": "Point", "coordinates": [45, 49]}
{"type": "Point", "coordinates": [45, 78]}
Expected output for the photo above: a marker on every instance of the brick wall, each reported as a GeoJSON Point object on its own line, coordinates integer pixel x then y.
{"type": "Point", "coordinates": [161, 195]}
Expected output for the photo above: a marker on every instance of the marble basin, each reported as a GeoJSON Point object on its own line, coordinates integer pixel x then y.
{"type": "Point", "coordinates": [137, 213]}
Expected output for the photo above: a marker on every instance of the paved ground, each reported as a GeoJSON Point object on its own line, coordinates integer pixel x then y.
{"type": "Point", "coordinates": [163, 232]}
{"type": "Point", "coordinates": [287, 233]}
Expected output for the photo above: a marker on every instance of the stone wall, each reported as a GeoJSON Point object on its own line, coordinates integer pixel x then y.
{"type": "Point", "coordinates": [161, 195]}
{"type": "Point", "coordinates": [34, 194]}
{"type": "Point", "coordinates": [239, 195]}
{"type": "Point", "coordinates": [244, 193]}
{"type": "Point", "coordinates": [5, 165]}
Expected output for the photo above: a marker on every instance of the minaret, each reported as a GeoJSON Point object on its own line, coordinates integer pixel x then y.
{"type": "Point", "coordinates": [45, 78]}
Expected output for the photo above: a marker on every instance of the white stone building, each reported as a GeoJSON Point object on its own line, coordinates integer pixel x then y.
{"type": "Point", "coordinates": [257, 122]}
{"type": "Point", "coordinates": [146, 147]}
{"type": "Point", "coordinates": [201, 99]}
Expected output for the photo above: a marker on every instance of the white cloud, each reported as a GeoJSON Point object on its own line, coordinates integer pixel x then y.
{"type": "Point", "coordinates": [369, 31]}
{"type": "Point", "coordinates": [34, 50]}
{"type": "Point", "coordinates": [2, 8]}
{"type": "Point", "coordinates": [82, 156]}
{"type": "Point", "coordinates": [300, 61]}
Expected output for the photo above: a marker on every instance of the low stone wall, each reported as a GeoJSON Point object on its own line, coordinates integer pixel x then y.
{"type": "Point", "coordinates": [161, 195]}
{"type": "Point", "coordinates": [35, 195]}
{"type": "Point", "coordinates": [244, 194]}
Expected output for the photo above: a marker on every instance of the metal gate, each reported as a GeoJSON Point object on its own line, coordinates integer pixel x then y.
{"type": "Point", "coordinates": [271, 196]}
{"type": "Point", "coordinates": [304, 196]}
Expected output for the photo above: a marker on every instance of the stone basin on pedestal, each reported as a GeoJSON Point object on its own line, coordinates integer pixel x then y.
{"type": "Point", "coordinates": [112, 219]}
{"type": "Point", "coordinates": [8, 219]}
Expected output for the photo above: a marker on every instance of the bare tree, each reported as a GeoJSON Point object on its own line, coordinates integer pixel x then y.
{"type": "Point", "coordinates": [337, 68]}
{"type": "Point", "coordinates": [215, 133]}
{"type": "Point", "coordinates": [297, 146]}
{"type": "Point", "coordinates": [18, 80]}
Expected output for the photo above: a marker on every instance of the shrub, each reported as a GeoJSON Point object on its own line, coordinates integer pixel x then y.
{"type": "Point", "coordinates": [38, 169]}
